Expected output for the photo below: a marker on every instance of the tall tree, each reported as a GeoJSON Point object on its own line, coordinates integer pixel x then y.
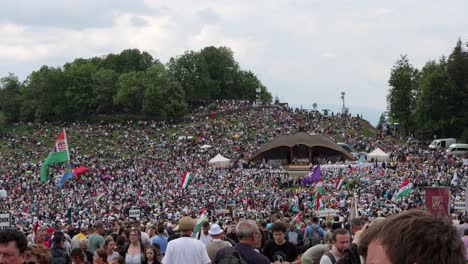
{"type": "Point", "coordinates": [433, 106]}
{"type": "Point", "coordinates": [79, 90]}
{"type": "Point", "coordinates": [10, 98]}
{"type": "Point", "coordinates": [457, 68]}
{"type": "Point", "coordinates": [130, 91]}
{"type": "Point", "coordinates": [403, 92]}
{"type": "Point", "coordinates": [104, 89]}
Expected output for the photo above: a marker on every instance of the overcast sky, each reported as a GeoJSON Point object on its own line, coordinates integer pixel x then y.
{"type": "Point", "coordinates": [303, 51]}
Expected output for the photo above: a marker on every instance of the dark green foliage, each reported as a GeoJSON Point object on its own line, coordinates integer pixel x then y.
{"type": "Point", "coordinates": [131, 83]}
{"type": "Point", "coordinates": [433, 101]}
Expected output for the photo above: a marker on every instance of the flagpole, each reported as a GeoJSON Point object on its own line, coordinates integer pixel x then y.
{"type": "Point", "coordinates": [66, 144]}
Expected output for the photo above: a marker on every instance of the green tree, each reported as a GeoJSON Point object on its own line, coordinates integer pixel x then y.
{"type": "Point", "coordinates": [191, 72]}
{"type": "Point", "coordinates": [457, 68]}
{"type": "Point", "coordinates": [79, 90]}
{"type": "Point", "coordinates": [163, 97]}
{"type": "Point", "coordinates": [433, 107]}
{"type": "Point", "coordinates": [130, 91]}
{"type": "Point", "coordinates": [403, 93]}
{"type": "Point", "coordinates": [43, 96]}
{"type": "Point", "coordinates": [10, 98]}
{"type": "Point", "coordinates": [104, 89]}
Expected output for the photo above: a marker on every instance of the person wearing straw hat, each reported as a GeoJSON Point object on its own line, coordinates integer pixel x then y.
{"type": "Point", "coordinates": [186, 249]}
{"type": "Point", "coordinates": [216, 243]}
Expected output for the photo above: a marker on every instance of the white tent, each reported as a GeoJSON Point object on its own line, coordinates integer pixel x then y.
{"type": "Point", "coordinates": [378, 155]}
{"type": "Point", "coordinates": [219, 161]}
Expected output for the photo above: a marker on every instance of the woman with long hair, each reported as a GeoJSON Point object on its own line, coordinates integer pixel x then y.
{"type": "Point", "coordinates": [134, 252]}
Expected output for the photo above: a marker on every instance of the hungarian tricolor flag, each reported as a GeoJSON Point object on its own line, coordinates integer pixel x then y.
{"type": "Point", "coordinates": [202, 218]}
{"type": "Point", "coordinates": [340, 184]}
{"type": "Point", "coordinates": [319, 187]}
{"type": "Point", "coordinates": [405, 189]}
{"type": "Point", "coordinates": [319, 205]}
{"type": "Point", "coordinates": [186, 179]}
{"type": "Point", "coordinates": [239, 191]}
{"type": "Point", "coordinates": [246, 204]}
{"type": "Point", "coordinates": [59, 154]}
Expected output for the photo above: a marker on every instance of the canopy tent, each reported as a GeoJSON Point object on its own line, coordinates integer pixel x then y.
{"type": "Point", "coordinates": [219, 161]}
{"type": "Point", "coordinates": [378, 155]}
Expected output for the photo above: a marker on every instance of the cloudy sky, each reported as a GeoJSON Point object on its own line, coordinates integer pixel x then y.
{"type": "Point", "coordinates": [303, 51]}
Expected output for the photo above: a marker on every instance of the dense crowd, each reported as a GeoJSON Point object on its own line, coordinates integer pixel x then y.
{"type": "Point", "coordinates": [139, 164]}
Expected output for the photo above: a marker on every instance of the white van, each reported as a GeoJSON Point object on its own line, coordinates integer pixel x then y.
{"type": "Point", "coordinates": [442, 143]}
{"type": "Point", "coordinates": [458, 149]}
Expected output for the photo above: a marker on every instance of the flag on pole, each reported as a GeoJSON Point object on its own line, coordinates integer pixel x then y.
{"type": "Point", "coordinates": [297, 219]}
{"type": "Point", "coordinates": [319, 187]}
{"type": "Point", "coordinates": [101, 197]}
{"type": "Point", "coordinates": [340, 184]}
{"type": "Point", "coordinates": [59, 154]}
{"type": "Point", "coordinates": [312, 176]}
{"type": "Point", "coordinates": [186, 179]}
{"type": "Point", "coordinates": [239, 191]}
{"type": "Point", "coordinates": [67, 175]}
{"type": "Point", "coordinates": [200, 221]}
{"type": "Point", "coordinates": [405, 189]}
{"type": "Point", "coordinates": [319, 203]}
{"type": "Point", "coordinates": [246, 204]}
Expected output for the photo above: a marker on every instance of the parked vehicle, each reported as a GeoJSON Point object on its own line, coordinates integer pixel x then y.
{"type": "Point", "coordinates": [442, 143]}
{"type": "Point", "coordinates": [457, 149]}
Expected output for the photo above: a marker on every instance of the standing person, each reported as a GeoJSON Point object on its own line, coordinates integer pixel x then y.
{"type": "Point", "coordinates": [232, 234]}
{"type": "Point", "coordinates": [37, 253]}
{"type": "Point", "coordinates": [216, 244]}
{"type": "Point", "coordinates": [134, 252]}
{"type": "Point", "coordinates": [78, 257]}
{"type": "Point", "coordinates": [203, 235]}
{"type": "Point", "coordinates": [100, 256]}
{"type": "Point", "coordinates": [96, 240]}
{"type": "Point", "coordinates": [59, 254]}
{"type": "Point", "coordinates": [186, 249]}
{"type": "Point", "coordinates": [151, 255]}
{"type": "Point", "coordinates": [280, 250]}
{"type": "Point", "coordinates": [249, 239]}
{"type": "Point", "coordinates": [109, 246]}
{"type": "Point", "coordinates": [313, 234]}
{"type": "Point", "coordinates": [340, 241]}
{"type": "Point", "coordinates": [13, 244]}
{"type": "Point", "coordinates": [161, 240]}
{"type": "Point", "coordinates": [294, 235]}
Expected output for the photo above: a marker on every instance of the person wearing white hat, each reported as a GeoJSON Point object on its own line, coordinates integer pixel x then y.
{"type": "Point", "coordinates": [216, 243]}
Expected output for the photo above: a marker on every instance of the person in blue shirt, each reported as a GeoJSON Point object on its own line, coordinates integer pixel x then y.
{"type": "Point", "coordinates": [160, 239]}
{"type": "Point", "coordinates": [315, 225]}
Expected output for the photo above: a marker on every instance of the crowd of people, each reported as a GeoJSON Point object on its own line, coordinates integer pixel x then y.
{"type": "Point", "coordinates": [139, 165]}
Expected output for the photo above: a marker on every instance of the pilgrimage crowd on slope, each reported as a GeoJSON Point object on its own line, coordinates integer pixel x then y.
{"type": "Point", "coordinates": [139, 165]}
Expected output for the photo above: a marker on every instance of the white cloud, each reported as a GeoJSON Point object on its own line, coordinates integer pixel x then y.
{"type": "Point", "coordinates": [302, 50]}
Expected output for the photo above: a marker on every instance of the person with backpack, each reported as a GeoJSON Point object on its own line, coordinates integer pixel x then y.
{"type": "Point", "coordinates": [314, 234]}
{"type": "Point", "coordinates": [245, 251]}
{"type": "Point", "coordinates": [280, 250]}
{"type": "Point", "coordinates": [340, 242]}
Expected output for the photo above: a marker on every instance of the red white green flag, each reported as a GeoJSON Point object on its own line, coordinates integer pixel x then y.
{"type": "Point", "coordinates": [58, 154]}
{"type": "Point", "coordinates": [319, 205]}
{"type": "Point", "coordinates": [340, 184]}
{"type": "Point", "coordinates": [405, 189]}
{"type": "Point", "coordinates": [186, 179]}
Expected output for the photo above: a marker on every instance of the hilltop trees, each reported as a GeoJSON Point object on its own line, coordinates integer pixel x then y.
{"type": "Point", "coordinates": [433, 101]}
{"type": "Point", "coordinates": [131, 82]}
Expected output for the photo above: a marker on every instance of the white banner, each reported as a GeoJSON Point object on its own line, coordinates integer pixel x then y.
{"type": "Point", "coordinates": [5, 220]}
{"type": "Point", "coordinates": [460, 205]}
{"type": "Point", "coordinates": [134, 213]}
{"type": "Point", "coordinates": [326, 212]}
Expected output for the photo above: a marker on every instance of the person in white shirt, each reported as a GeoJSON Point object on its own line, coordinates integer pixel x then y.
{"type": "Point", "coordinates": [186, 249]}
{"type": "Point", "coordinates": [203, 235]}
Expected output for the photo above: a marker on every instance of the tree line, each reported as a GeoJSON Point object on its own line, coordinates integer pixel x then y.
{"type": "Point", "coordinates": [129, 83]}
{"type": "Point", "coordinates": [432, 101]}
